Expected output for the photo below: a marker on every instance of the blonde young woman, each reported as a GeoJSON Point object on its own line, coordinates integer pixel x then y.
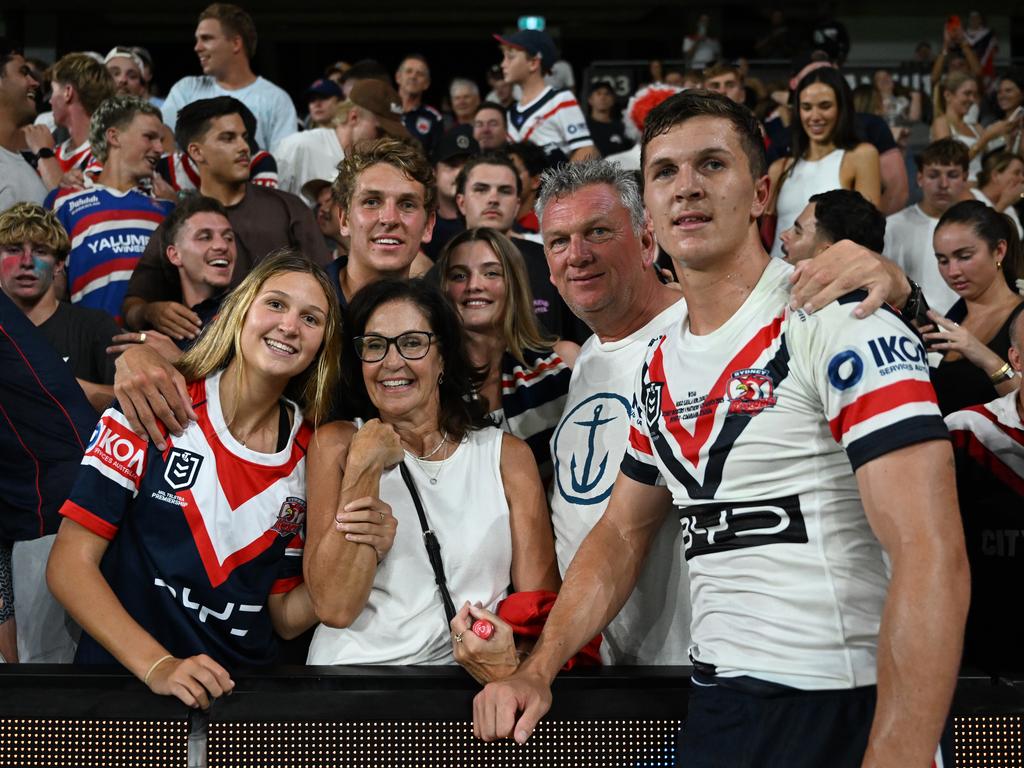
{"type": "Point", "coordinates": [181, 564]}
{"type": "Point", "coordinates": [826, 153]}
{"type": "Point", "coordinates": [527, 374]}
{"type": "Point", "coordinates": [959, 93]}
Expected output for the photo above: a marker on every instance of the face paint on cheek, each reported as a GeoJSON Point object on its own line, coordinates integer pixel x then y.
{"type": "Point", "coordinates": [10, 265]}
{"type": "Point", "coordinates": [42, 267]}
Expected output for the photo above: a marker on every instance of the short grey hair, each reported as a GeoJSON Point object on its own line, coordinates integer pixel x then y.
{"type": "Point", "coordinates": [463, 82]}
{"type": "Point", "coordinates": [116, 112]}
{"type": "Point", "coordinates": [567, 178]}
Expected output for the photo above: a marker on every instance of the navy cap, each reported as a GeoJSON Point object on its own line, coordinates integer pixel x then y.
{"type": "Point", "coordinates": [458, 142]}
{"type": "Point", "coordinates": [324, 88]}
{"type": "Point", "coordinates": [535, 43]}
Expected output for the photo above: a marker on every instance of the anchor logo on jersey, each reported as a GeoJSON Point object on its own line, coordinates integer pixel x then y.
{"type": "Point", "coordinates": [588, 484]}
{"type": "Point", "coordinates": [182, 469]}
{"type": "Point", "coordinates": [587, 440]}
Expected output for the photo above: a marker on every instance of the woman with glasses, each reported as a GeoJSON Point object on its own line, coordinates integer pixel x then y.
{"type": "Point", "coordinates": [368, 571]}
{"type": "Point", "coordinates": [527, 375]}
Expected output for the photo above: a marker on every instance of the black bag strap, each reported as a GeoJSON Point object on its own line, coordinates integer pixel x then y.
{"type": "Point", "coordinates": [431, 543]}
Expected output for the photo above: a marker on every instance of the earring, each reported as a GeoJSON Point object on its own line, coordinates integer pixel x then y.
{"type": "Point", "coordinates": [999, 265]}
{"type": "Point", "coordinates": [440, 378]}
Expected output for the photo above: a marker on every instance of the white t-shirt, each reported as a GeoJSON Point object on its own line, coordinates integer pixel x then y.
{"type": "Point", "coordinates": [1010, 210]}
{"type": "Point", "coordinates": [307, 155]}
{"type": "Point", "coordinates": [587, 447]}
{"type": "Point", "coordinates": [757, 429]}
{"type": "Point", "coordinates": [19, 182]}
{"type": "Point", "coordinates": [908, 242]}
{"type": "Point", "coordinates": [273, 108]}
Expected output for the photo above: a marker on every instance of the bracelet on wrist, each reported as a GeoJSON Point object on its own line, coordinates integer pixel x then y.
{"type": "Point", "coordinates": [155, 664]}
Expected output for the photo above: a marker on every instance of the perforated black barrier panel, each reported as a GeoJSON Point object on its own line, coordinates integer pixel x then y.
{"type": "Point", "coordinates": [594, 744]}
{"type": "Point", "coordinates": [93, 744]}
{"type": "Point", "coordinates": [306, 717]}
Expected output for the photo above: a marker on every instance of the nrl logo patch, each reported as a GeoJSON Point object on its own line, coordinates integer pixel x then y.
{"type": "Point", "coordinates": [652, 402]}
{"type": "Point", "coordinates": [182, 469]}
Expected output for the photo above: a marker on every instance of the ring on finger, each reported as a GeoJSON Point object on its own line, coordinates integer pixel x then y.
{"type": "Point", "coordinates": [142, 338]}
{"type": "Point", "coordinates": [381, 516]}
{"type": "Point", "coordinates": [458, 637]}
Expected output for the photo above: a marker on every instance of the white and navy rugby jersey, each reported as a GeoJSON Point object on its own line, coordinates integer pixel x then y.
{"type": "Point", "coordinates": [200, 534]}
{"type": "Point", "coordinates": [109, 230]}
{"type": "Point", "coordinates": [553, 121]}
{"type": "Point", "coordinates": [757, 429]}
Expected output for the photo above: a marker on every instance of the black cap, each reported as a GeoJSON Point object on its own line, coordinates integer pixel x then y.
{"type": "Point", "coordinates": [458, 142]}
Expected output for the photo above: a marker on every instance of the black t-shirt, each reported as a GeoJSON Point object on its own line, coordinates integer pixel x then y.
{"type": "Point", "coordinates": [444, 230]}
{"type": "Point", "coordinates": [81, 335]}
{"type": "Point", "coordinates": [609, 138]}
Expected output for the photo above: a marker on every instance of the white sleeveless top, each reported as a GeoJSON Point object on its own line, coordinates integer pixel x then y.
{"type": "Point", "coordinates": [403, 621]}
{"type": "Point", "coordinates": [807, 177]}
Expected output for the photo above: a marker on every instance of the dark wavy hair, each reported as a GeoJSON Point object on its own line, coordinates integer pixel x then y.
{"type": "Point", "coordinates": [844, 135]}
{"type": "Point", "coordinates": [991, 226]}
{"type": "Point", "coordinates": [461, 410]}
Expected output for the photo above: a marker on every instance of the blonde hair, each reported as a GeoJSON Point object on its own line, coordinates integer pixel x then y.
{"type": "Point", "coordinates": [314, 389]}
{"type": "Point", "coordinates": [951, 83]}
{"type": "Point", "coordinates": [88, 77]}
{"type": "Point", "coordinates": [519, 323]}
{"type": "Point", "coordinates": [31, 223]}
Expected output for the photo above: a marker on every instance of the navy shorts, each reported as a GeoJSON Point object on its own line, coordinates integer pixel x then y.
{"type": "Point", "coordinates": [748, 723]}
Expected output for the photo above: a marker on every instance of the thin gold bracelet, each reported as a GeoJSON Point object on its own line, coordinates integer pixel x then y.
{"type": "Point", "coordinates": [156, 664]}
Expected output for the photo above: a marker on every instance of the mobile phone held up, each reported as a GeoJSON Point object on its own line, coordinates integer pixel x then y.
{"type": "Point", "coordinates": [953, 27]}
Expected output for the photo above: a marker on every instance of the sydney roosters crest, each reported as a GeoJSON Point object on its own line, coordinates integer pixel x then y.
{"type": "Point", "coordinates": [750, 391]}
{"type": "Point", "coordinates": [291, 517]}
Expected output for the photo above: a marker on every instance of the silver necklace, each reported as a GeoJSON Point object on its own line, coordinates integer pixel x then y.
{"type": "Point", "coordinates": [440, 463]}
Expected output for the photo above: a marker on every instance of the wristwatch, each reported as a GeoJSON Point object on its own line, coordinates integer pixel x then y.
{"type": "Point", "coordinates": [1004, 373]}
{"type": "Point", "coordinates": [45, 153]}
{"type": "Point", "coordinates": [916, 308]}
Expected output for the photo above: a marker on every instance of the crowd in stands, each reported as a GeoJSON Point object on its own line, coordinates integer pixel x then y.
{"type": "Point", "coordinates": [308, 327]}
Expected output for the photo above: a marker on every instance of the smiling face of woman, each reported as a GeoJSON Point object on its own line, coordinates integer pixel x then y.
{"type": "Point", "coordinates": [961, 100]}
{"type": "Point", "coordinates": [397, 386]}
{"type": "Point", "coordinates": [476, 285]}
{"type": "Point", "coordinates": [1009, 96]}
{"type": "Point", "coordinates": [819, 112]}
{"type": "Point", "coordinates": [284, 327]}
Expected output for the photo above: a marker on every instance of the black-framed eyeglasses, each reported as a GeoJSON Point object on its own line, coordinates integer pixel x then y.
{"type": "Point", "coordinates": [412, 345]}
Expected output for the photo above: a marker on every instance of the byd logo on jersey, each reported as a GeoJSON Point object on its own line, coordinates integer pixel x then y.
{"type": "Point", "coordinates": [711, 528]}
{"type": "Point", "coordinates": [750, 391]}
{"type": "Point", "coordinates": [114, 445]}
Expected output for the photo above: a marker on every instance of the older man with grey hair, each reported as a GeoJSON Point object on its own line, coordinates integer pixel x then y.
{"type": "Point", "coordinates": [464, 95]}
{"type": "Point", "coordinates": [601, 252]}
